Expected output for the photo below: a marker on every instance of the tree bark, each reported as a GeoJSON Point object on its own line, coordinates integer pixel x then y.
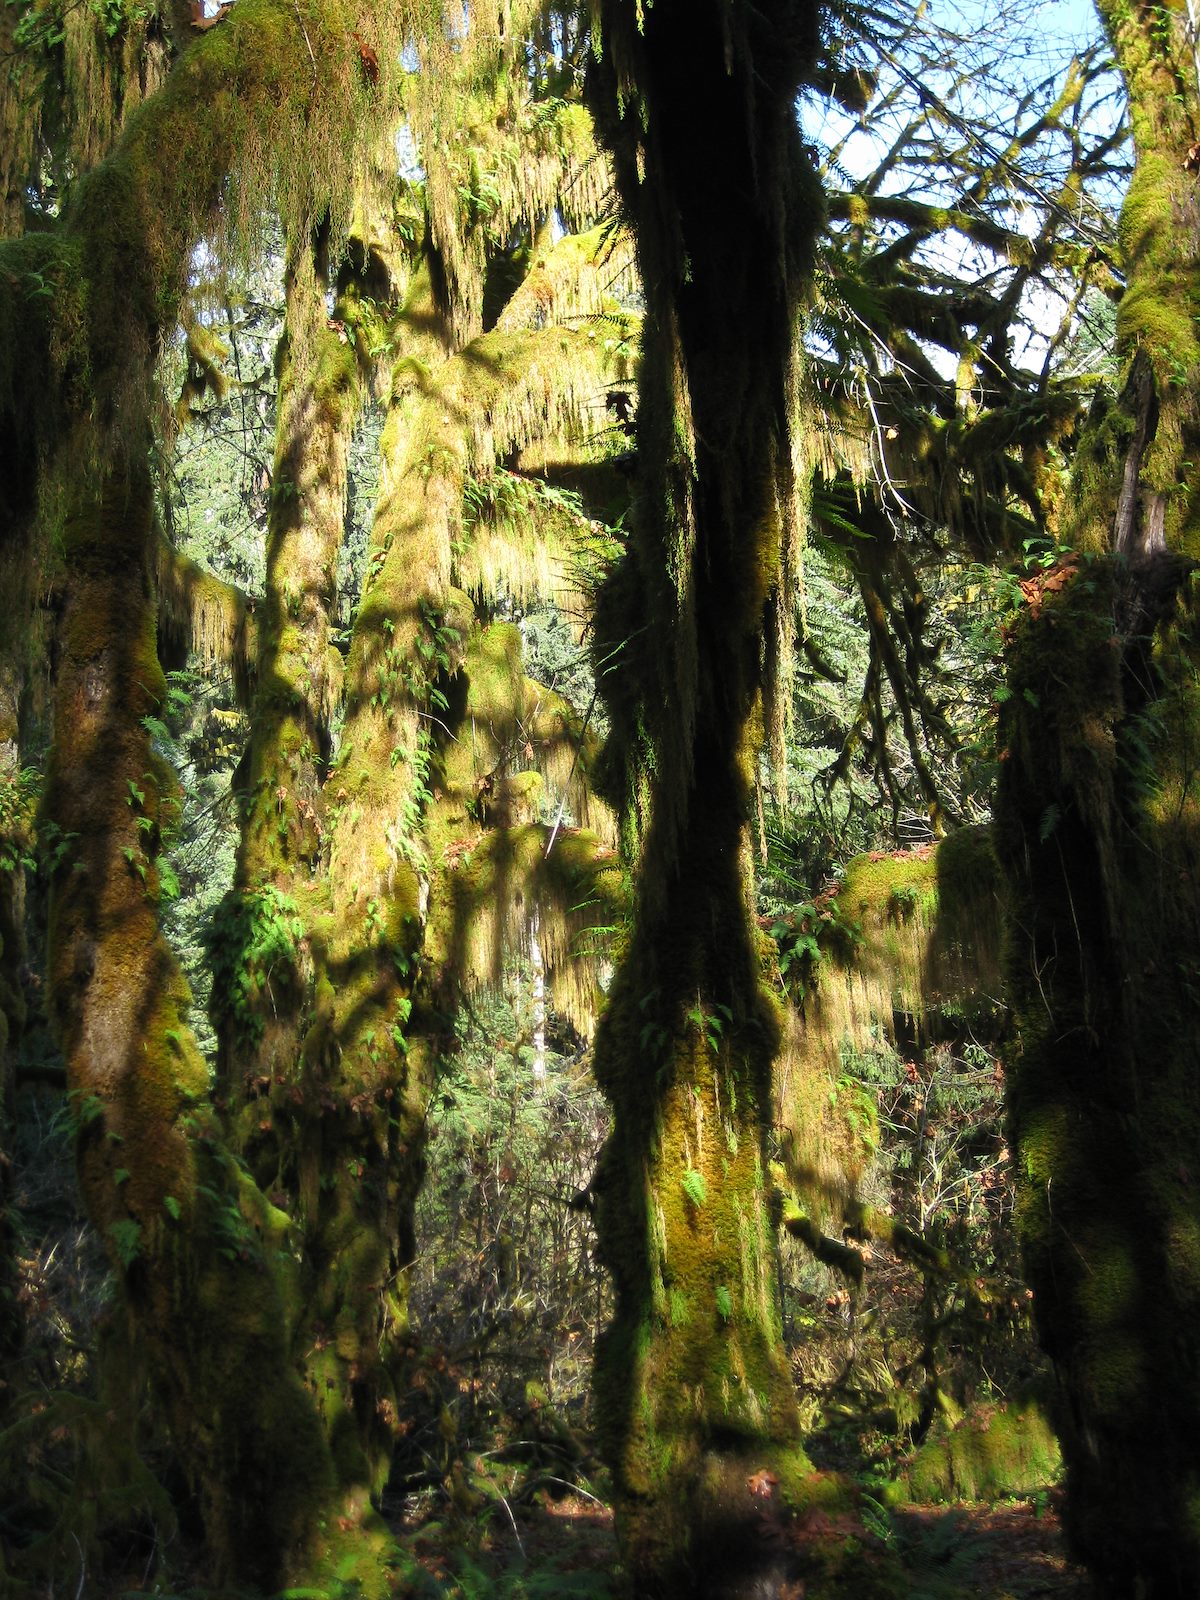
{"type": "Point", "coordinates": [202, 1257]}
{"type": "Point", "coordinates": [1097, 827]}
{"type": "Point", "coordinates": [694, 1391]}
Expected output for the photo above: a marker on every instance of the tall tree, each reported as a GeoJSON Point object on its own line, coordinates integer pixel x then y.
{"type": "Point", "coordinates": [697, 101]}
{"type": "Point", "coordinates": [261, 1238]}
{"type": "Point", "coordinates": [1097, 819]}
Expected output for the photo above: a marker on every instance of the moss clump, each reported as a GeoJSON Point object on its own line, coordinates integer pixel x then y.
{"type": "Point", "coordinates": [879, 886]}
{"type": "Point", "coordinates": [994, 1451]}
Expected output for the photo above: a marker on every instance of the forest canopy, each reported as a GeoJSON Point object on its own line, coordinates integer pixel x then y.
{"type": "Point", "coordinates": [598, 702]}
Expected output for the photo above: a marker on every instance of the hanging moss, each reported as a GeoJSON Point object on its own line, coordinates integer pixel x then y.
{"type": "Point", "coordinates": [135, 217]}
{"type": "Point", "coordinates": [495, 162]}
{"type": "Point", "coordinates": [201, 615]}
{"type": "Point", "coordinates": [492, 891]}
{"type": "Point", "coordinates": [577, 276]}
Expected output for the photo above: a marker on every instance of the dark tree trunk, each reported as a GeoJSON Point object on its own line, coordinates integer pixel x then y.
{"type": "Point", "coordinates": [1098, 827]}
{"type": "Point", "coordinates": [696, 102]}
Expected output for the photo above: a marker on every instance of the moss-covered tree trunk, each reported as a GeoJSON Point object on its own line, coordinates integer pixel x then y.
{"type": "Point", "coordinates": [299, 671]}
{"type": "Point", "coordinates": [696, 102]}
{"type": "Point", "coordinates": [205, 1262]}
{"type": "Point", "coordinates": [424, 709]}
{"type": "Point", "coordinates": [299, 1119]}
{"type": "Point", "coordinates": [261, 982]}
{"type": "Point", "coordinates": [359, 1163]}
{"type": "Point", "coordinates": [16, 844]}
{"type": "Point", "coordinates": [200, 1254]}
{"type": "Point", "coordinates": [1098, 816]}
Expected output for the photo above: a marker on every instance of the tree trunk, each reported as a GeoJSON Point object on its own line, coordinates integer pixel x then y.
{"type": "Point", "coordinates": [694, 1392]}
{"type": "Point", "coordinates": [203, 1258]}
{"type": "Point", "coordinates": [1097, 818]}
{"type": "Point", "coordinates": [16, 845]}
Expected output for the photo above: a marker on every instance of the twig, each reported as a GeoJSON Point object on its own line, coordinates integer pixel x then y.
{"type": "Point", "coordinates": [307, 40]}
{"type": "Point", "coordinates": [574, 1488]}
{"type": "Point", "coordinates": [513, 1520]}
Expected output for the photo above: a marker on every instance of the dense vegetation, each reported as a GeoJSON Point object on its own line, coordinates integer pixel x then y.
{"type": "Point", "coordinates": [597, 885]}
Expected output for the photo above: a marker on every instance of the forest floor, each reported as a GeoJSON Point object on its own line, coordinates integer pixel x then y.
{"type": "Point", "coordinates": [989, 1552]}
{"type": "Point", "coordinates": [566, 1548]}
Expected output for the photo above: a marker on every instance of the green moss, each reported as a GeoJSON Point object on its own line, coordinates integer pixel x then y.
{"type": "Point", "coordinates": [882, 885]}
{"type": "Point", "coordinates": [995, 1451]}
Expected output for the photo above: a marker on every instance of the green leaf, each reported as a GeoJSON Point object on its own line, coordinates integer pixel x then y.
{"type": "Point", "coordinates": [126, 1237]}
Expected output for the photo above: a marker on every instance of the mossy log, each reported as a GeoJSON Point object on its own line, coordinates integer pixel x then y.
{"type": "Point", "coordinates": [992, 1452]}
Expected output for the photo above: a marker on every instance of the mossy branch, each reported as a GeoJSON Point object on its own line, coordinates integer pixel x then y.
{"type": "Point", "coordinates": [844, 1258]}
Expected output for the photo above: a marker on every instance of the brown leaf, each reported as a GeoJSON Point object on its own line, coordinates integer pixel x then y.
{"type": "Point", "coordinates": [762, 1483]}
{"type": "Point", "coordinates": [367, 59]}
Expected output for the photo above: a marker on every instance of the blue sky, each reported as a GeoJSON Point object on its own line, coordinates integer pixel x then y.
{"type": "Point", "coordinates": [1011, 47]}
{"type": "Point", "coordinates": [1060, 21]}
